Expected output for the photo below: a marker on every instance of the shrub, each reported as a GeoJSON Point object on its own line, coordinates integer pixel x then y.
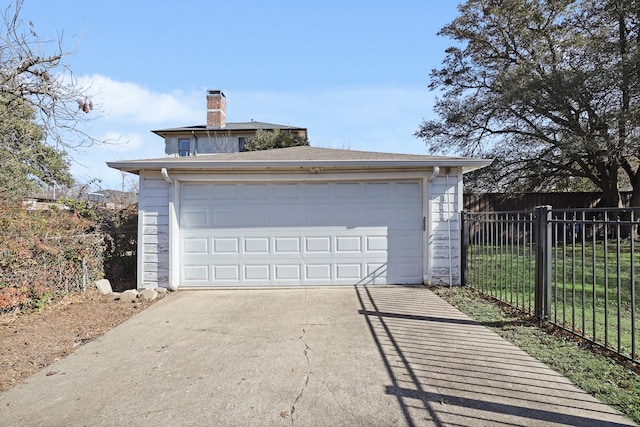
{"type": "Point", "coordinates": [43, 254]}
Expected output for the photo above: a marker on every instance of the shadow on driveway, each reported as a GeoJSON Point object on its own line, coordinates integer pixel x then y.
{"type": "Point", "coordinates": [447, 369]}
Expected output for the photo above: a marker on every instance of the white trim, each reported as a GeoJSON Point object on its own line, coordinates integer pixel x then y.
{"type": "Point", "coordinates": [292, 177]}
{"type": "Point", "coordinates": [140, 255]}
{"type": "Point", "coordinates": [195, 163]}
{"type": "Point", "coordinates": [179, 179]}
{"type": "Point", "coordinates": [426, 252]}
{"type": "Point", "coordinates": [174, 233]}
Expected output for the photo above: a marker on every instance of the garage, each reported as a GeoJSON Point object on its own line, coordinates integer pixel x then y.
{"type": "Point", "coordinates": [299, 216]}
{"type": "Point", "coordinates": [322, 233]}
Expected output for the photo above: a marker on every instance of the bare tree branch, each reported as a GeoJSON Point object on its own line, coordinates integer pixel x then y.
{"type": "Point", "coordinates": [33, 71]}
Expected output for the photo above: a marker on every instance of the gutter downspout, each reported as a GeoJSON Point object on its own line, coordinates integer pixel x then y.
{"type": "Point", "coordinates": [426, 279]}
{"type": "Point", "coordinates": [173, 285]}
{"type": "Point", "coordinates": [165, 176]}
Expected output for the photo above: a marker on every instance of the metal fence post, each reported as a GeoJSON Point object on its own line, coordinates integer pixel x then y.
{"type": "Point", "coordinates": [85, 273]}
{"type": "Point", "coordinates": [543, 237]}
{"type": "Point", "coordinates": [464, 246]}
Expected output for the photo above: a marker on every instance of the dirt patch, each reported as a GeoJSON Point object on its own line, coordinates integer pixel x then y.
{"type": "Point", "coordinates": [29, 342]}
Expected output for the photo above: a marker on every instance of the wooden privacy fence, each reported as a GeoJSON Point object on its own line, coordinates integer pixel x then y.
{"type": "Point", "coordinates": [499, 202]}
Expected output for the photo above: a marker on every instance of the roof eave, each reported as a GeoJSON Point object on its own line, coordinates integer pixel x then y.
{"type": "Point", "coordinates": [467, 165]}
{"type": "Point", "coordinates": [205, 130]}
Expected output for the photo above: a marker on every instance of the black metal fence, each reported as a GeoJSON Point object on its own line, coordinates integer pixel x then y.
{"type": "Point", "coordinates": [575, 268]}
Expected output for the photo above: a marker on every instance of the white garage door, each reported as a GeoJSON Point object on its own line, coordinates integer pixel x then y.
{"type": "Point", "coordinates": [330, 233]}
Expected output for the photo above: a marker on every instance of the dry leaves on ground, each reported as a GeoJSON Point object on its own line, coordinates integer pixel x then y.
{"type": "Point", "coordinates": [30, 342]}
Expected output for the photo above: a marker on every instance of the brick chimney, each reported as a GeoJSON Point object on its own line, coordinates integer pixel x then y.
{"type": "Point", "coordinates": [216, 108]}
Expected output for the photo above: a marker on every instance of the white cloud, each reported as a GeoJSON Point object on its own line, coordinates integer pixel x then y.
{"type": "Point", "coordinates": [137, 104]}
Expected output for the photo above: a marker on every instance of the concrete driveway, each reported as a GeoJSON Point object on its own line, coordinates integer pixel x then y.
{"type": "Point", "coordinates": [380, 356]}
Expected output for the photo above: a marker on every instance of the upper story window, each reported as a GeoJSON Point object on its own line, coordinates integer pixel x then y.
{"type": "Point", "coordinates": [184, 147]}
{"type": "Point", "coordinates": [242, 144]}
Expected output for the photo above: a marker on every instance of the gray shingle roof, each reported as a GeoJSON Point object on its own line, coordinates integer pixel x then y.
{"type": "Point", "coordinates": [232, 126]}
{"type": "Point", "coordinates": [303, 153]}
{"type": "Point", "coordinates": [299, 157]}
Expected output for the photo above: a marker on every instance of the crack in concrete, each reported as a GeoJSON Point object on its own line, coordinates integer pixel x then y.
{"type": "Point", "coordinates": [293, 407]}
{"type": "Point", "coordinates": [306, 355]}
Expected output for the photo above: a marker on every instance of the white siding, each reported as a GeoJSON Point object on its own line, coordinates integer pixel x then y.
{"type": "Point", "coordinates": [153, 231]}
{"type": "Point", "coordinates": [446, 203]}
{"type": "Point", "coordinates": [217, 144]}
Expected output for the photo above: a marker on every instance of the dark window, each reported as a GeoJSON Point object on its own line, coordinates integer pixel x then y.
{"type": "Point", "coordinates": [184, 147]}
{"type": "Point", "coordinates": [242, 144]}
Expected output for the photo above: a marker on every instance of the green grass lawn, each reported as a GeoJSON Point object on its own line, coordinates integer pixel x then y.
{"type": "Point", "coordinates": [591, 369]}
{"type": "Point", "coordinates": [593, 288]}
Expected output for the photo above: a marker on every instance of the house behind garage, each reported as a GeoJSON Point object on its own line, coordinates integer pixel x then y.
{"type": "Point", "coordinates": [217, 135]}
{"type": "Point", "coordinates": [299, 216]}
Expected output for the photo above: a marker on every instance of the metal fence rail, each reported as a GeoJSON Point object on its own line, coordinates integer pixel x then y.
{"type": "Point", "coordinates": [575, 268]}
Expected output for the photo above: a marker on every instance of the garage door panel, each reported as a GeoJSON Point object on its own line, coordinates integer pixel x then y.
{"type": "Point", "coordinates": [302, 233]}
{"type": "Point", "coordinates": [253, 217]}
{"type": "Point", "coordinates": [348, 271]}
{"type": "Point", "coordinates": [406, 269]}
{"type": "Point", "coordinates": [403, 246]}
{"type": "Point", "coordinates": [227, 219]}
{"type": "Point", "coordinates": [319, 245]}
{"type": "Point", "coordinates": [196, 246]}
{"type": "Point", "coordinates": [286, 245]}
{"type": "Point", "coordinates": [347, 190]}
{"type": "Point", "coordinates": [256, 245]}
{"type": "Point", "coordinates": [376, 273]}
{"type": "Point", "coordinates": [287, 272]}
{"type": "Point", "coordinates": [195, 192]}
{"type": "Point", "coordinates": [286, 191]}
{"type": "Point", "coordinates": [226, 191]}
{"type": "Point", "coordinates": [194, 219]}
{"type": "Point", "coordinates": [378, 189]}
{"type": "Point", "coordinates": [407, 191]}
{"type": "Point", "coordinates": [376, 244]}
{"type": "Point", "coordinates": [320, 272]}
{"type": "Point", "coordinates": [316, 217]}
{"type": "Point", "coordinates": [348, 244]}
{"type": "Point", "coordinates": [254, 192]}
{"type": "Point", "coordinates": [225, 246]}
{"type": "Point", "coordinates": [284, 217]}
{"type": "Point", "coordinates": [226, 272]}
{"type": "Point", "coordinates": [406, 216]}
{"type": "Point", "coordinates": [195, 273]}
{"type": "Point", "coordinates": [314, 192]}
{"type": "Point", "coordinates": [257, 272]}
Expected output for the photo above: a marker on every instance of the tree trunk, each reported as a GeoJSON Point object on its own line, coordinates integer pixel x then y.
{"type": "Point", "coordinates": [610, 198]}
{"type": "Point", "coordinates": [635, 202]}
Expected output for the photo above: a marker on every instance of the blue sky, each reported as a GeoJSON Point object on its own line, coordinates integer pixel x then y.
{"type": "Point", "coordinates": [355, 73]}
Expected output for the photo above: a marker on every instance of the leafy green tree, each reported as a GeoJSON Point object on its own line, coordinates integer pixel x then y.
{"type": "Point", "coordinates": [26, 161]}
{"type": "Point", "coordinates": [41, 106]}
{"type": "Point", "coordinates": [276, 138]}
{"type": "Point", "coordinates": [548, 88]}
